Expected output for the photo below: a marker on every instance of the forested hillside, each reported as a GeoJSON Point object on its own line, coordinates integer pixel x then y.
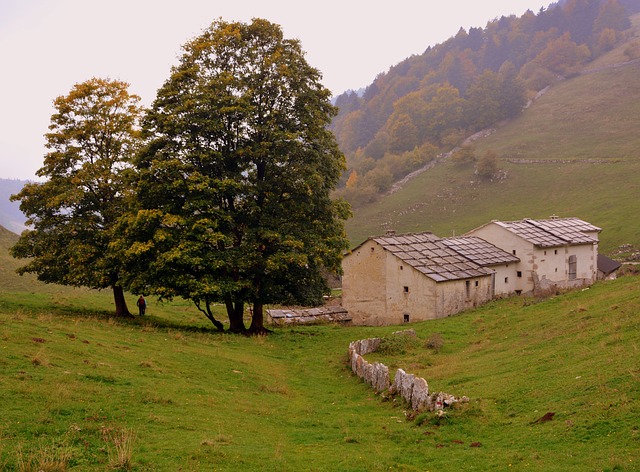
{"type": "Point", "coordinates": [428, 104]}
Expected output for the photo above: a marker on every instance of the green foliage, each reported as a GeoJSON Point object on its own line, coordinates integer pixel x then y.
{"type": "Point", "coordinates": [464, 156]}
{"type": "Point", "coordinates": [93, 136]}
{"type": "Point", "coordinates": [235, 178]}
{"type": "Point", "coordinates": [487, 166]}
{"type": "Point", "coordinates": [397, 344]}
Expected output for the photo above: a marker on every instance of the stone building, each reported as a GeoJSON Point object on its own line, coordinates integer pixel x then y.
{"type": "Point", "coordinates": [397, 279]}
{"type": "Point", "coordinates": [555, 254]}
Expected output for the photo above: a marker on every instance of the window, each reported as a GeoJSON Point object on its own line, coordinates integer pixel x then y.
{"type": "Point", "coordinates": [476, 283]}
{"type": "Point", "coordinates": [468, 288]}
{"type": "Point", "coordinates": [401, 268]}
{"type": "Point", "coordinates": [573, 267]}
{"type": "Point", "coordinates": [406, 289]}
{"type": "Point", "coordinates": [519, 273]}
{"type": "Point", "coordinates": [518, 292]}
{"type": "Point", "coordinates": [506, 280]}
{"type": "Point", "coordinates": [406, 317]}
{"type": "Point", "coordinates": [514, 252]}
{"type": "Point", "coordinates": [545, 253]}
{"type": "Point", "coordinates": [555, 251]}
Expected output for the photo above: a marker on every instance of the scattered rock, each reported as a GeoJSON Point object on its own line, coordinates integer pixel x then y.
{"type": "Point", "coordinates": [546, 417]}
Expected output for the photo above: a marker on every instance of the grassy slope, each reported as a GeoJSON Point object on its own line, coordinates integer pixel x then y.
{"type": "Point", "coordinates": [593, 116]}
{"type": "Point", "coordinates": [191, 399]}
{"type": "Point", "coordinates": [75, 384]}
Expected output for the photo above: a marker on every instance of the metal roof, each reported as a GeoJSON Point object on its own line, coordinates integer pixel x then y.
{"type": "Point", "coordinates": [553, 232]}
{"type": "Point", "coordinates": [445, 259]}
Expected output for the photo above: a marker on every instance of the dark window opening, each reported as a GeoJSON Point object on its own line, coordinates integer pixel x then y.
{"type": "Point", "coordinates": [519, 273]}
{"type": "Point", "coordinates": [406, 289]}
{"type": "Point", "coordinates": [514, 252]}
{"type": "Point", "coordinates": [573, 267]}
{"type": "Point", "coordinates": [555, 251]}
{"type": "Point", "coordinates": [518, 292]}
{"type": "Point", "coordinates": [406, 317]}
{"type": "Point", "coordinates": [506, 280]}
{"type": "Point", "coordinates": [468, 288]}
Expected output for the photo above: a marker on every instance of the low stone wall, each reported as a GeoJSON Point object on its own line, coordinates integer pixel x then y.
{"type": "Point", "coordinates": [413, 390]}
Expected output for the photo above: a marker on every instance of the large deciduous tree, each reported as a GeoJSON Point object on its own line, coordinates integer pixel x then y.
{"type": "Point", "coordinates": [93, 135]}
{"type": "Point", "coordinates": [236, 178]}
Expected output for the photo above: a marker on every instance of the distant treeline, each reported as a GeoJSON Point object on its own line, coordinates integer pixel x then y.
{"type": "Point", "coordinates": [428, 104]}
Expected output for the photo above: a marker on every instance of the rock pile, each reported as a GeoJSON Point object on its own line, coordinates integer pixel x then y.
{"type": "Point", "coordinates": [413, 390]}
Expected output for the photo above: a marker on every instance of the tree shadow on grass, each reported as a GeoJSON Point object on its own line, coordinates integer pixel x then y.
{"type": "Point", "coordinates": [20, 304]}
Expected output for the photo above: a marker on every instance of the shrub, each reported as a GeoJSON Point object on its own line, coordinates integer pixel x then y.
{"type": "Point", "coordinates": [397, 344]}
{"type": "Point", "coordinates": [435, 342]}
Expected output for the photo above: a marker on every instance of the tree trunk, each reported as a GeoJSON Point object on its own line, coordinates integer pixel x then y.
{"type": "Point", "coordinates": [236, 316]}
{"type": "Point", "coordinates": [209, 314]}
{"type": "Point", "coordinates": [257, 320]}
{"type": "Point", "coordinates": [121, 303]}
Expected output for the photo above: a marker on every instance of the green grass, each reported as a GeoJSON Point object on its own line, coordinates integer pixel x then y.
{"type": "Point", "coordinates": [589, 121]}
{"type": "Point", "coordinates": [168, 393]}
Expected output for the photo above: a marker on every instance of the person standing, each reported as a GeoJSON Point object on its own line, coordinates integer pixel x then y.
{"type": "Point", "coordinates": [142, 305]}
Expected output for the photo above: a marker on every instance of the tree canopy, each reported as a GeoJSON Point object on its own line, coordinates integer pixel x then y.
{"type": "Point", "coordinates": [93, 135]}
{"type": "Point", "coordinates": [235, 178]}
{"type": "Point", "coordinates": [472, 81]}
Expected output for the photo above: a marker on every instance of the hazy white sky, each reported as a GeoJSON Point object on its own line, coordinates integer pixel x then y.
{"type": "Point", "coordinates": [47, 46]}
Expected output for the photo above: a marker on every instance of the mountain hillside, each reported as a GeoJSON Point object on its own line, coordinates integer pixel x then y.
{"type": "Point", "coordinates": [10, 215]}
{"type": "Point", "coordinates": [572, 152]}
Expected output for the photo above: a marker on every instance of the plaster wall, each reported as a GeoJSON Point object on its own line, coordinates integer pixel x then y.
{"type": "Point", "coordinates": [364, 283]}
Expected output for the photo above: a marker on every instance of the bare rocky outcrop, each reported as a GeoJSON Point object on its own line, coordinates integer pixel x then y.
{"type": "Point", "coordinates": [412, 389]}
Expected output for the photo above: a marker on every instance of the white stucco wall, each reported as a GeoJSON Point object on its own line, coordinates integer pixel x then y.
{"type": "Point", "coordinates": [381, 289]}
{"type": "Point", "coordinates": [364, 283]}
{"type": "Point", "coordinates": [539, 266]}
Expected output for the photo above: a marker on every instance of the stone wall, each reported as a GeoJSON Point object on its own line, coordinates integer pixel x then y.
{"type": "Point", "coordinates": [412, 389]}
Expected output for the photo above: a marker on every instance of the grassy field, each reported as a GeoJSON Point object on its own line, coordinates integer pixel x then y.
{"type": "Point", "coordinates": [574, 152]}
{"type": "Point", "coordinates": [82, 391]}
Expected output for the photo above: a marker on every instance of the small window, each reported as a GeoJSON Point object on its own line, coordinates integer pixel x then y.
{"type": "Point", "coordinates": [406, 317]}
{"type": "Point", "coordinates": [555, 251]}
{"type": "Point", "coordinates": [401, 268]}
{"type": "Point", "coordinates": [406, 289]}
{"type": "Point", "coordinates": [506, 280]}
{"type": "Point", "coordinates": [514, 252]}
{"type": "Point", "coordinates": [518, 292]}
{"type": "Point", "coordinates": [545, 253]}
{"type": "Point", "coordinates": [373, 249]}
{"type": "Point", "coordinates": [468, 288]}
{"type": "Point", "coordinates": [519, 273]}
{"type": "Point", "coordinates": [476, 283]}
{"type": "Point", "coordinates": [573, 267]}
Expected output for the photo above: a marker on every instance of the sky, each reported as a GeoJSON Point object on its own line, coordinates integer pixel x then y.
{"type": "Point", "coordinates": [48, 46]}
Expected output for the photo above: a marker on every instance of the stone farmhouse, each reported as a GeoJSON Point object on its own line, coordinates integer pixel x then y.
{"type": "Point", "coordinates": [395, 279]}
{"type": "Point", "coordinates": [555, 254]}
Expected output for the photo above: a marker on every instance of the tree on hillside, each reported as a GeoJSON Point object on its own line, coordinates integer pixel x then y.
{"type": "Point", "coordinates": [93, 135]}
{"type": "Point", "coordinates": [235, 178]}
{"type": "Point", "coordinates": [487, 165]}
